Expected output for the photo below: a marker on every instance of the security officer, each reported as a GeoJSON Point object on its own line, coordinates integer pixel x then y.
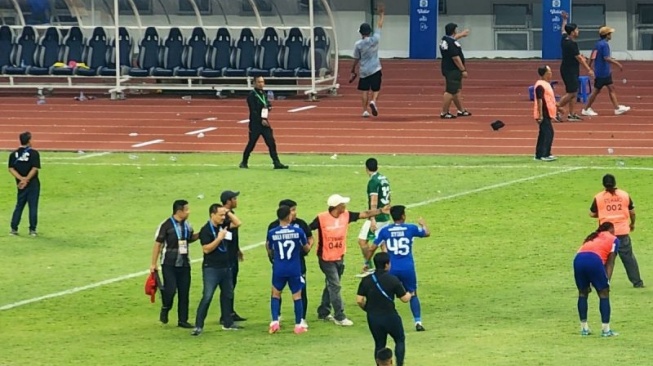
{"type": "Point", "coordinates": [259, 108]}
{"type": "Point", "coordinates": [376, 295]}
{"type": "Point", "coordinates": [229, 200]}
{"type": "Point", "coordinates": [24, 165]}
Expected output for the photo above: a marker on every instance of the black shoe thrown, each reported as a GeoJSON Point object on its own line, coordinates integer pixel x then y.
{"type": "Point", "coordinates": [163, 316]}
{"type": "Point", "coordinates": [186, 325]}
{"type": "Point", "coordinates": [237, 318]}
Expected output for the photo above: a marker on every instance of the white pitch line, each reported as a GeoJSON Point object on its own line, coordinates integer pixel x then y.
{"type": "Point", "coordinates": [244, 121]}
{"type": "Point", "coordinates": [152, 142]}
{"type": "Point", "coordinates": [302, 108]}
{"type": "Point", "coordinates": [92, 155]}
{"type": "Point", "coordinates": [256, 245]}
{"type": "Point", "coordinates": [201, 131]}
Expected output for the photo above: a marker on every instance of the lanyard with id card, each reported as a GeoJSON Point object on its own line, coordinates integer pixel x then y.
{"type": "Point", "coordinates": [265, 111]}
{"type": "Point", "coordinates": [222, 247]}
{"type": "Point", "coordinates": [182, 241]}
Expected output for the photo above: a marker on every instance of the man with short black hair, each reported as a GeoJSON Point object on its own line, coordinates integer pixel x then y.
{"type": "Point", "coordinates": [216, 268]}
{"type": "Point", "coordinates": [375, 296]}
{"type": "Point", "coordinates": [229, 200]}
{"type": "Point", "coordinates": [384, 357]}
{"type": "Point", "coordinates": [366, 52]}
{"type": "Point", "coordinates": [301, 224]}
{"type": "Point", "coordinates": [171, 248]}
{"type": "Point", "coordinates": [544, 109]}
{"type": "Point", "coordinates": [24, 165]}
{"type": "Point", "coordinates": [453, 70]}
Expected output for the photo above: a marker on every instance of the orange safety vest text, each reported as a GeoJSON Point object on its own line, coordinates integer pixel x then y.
{"type": "Point", "coordinates": [602, 246]}
{"type": "Point", "coordinates": [614, 208]}
{"type": "Point", "coordinates": [549, 99]}
{"type": "Point", "coordinates": [334, 235]}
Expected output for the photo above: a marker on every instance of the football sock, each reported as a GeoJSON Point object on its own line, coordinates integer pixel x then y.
{"type": "Point", "coordinates": [582, 308]}
{"type": "Point", "coordinates": [604, 308]}
{"type": "Point", "coordinates": [416, 309]}
{"type": "Point", "coordinates": [275, 305]}
{"type": "Point", "coordinates": [299, 311]}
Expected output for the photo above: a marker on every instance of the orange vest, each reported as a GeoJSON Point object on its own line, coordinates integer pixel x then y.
{"type": "Point", "coordinates": [602, 246]}
{"type": "Point", "coordinates": [614, 208]}
{"type": "Point", "coordinates": [334, 235]}
{"type": "Point", "coordinates": [549, 99]}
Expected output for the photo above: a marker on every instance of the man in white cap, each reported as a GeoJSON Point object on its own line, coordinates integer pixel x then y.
{"type": "Point", "coordinates": [332, 228]}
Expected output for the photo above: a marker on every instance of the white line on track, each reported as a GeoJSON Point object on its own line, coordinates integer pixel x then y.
{"type": "Point", "coordinates": [256, 245]}
{"type": "Point", "coordinates": [146, 143]}
{"type": "Point", "coordinates": [201, 131]}
{"type": "Point", "coordinates": [301, 108]}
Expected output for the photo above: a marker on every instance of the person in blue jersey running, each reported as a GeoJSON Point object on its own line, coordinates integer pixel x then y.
{"type": "Point", "coordinates": [284, 246]}
{"type": "Point", "coordinates": [398, 239]}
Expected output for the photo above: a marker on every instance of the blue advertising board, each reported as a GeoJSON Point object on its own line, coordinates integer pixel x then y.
{"type": "Point", "coordinates": [552, 27]}
{"type": "Point", "coordinates": [423, 29]}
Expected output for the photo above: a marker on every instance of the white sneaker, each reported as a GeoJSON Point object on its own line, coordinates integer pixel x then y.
{"type": "Point", "coordinates": [589, 112]}
{"type": "Point", "coordinates": [344, 322]}
{"type": "Point", "coordinates": [621, 110]}
{"type": "Point", "coordinates": [303, 324]}
{"type": "Point", "coordinates": [366, 114]}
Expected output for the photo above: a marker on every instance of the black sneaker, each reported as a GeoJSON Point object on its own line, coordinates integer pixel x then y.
{"type": "Point", "coordinates": [33, 233]}
{"type": "Point", "coordinates": [232, 327]}
{"type": "Point", "coordinates": [196, 332]}
{"type": "Point", "coordinates": [13, 232]}
{"type": "Point", "coordinates": [237, 318]}
{"type": "Point", "coordinates": [243, 166]}
{"type": "Point", "coordinates": [447, 116]}
{"type": "Point", "coordinates": [464, 113]}
{"type": "Point", "coordinates": [186, 325]}
{"type": "Point", "coordinates": [279, 166]}
{"type": "Point", "coordinates": [419, 327]}
{"type": "Point", "coordinates": [163, 316]}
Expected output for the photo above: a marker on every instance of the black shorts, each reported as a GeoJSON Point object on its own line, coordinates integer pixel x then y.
{"type": "Point", "coordinates": [454, 81]}
{"type": "Point", "coordinates": [372, 82]}
{"type": "Point", "coordinates": [601, 82]}
{"type": "Point", "coordinates": [570, 78]}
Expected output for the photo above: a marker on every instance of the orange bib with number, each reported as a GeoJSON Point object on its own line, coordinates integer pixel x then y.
{"type": "Point", "coordinates": [334, 235]}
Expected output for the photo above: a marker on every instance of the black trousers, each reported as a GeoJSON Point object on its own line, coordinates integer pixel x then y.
{"type": "Point", "coordinates": [255, 132]}
{"type": "Point", "coordinates": [544, 139]}
{"type": "Point", "coordinates": [176, 280]}
{"type": "Point", "coordinates": [27, 196]}
{"type": "Point", "coordinates": [383, 325]}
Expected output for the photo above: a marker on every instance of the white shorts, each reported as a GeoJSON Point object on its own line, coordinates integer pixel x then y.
{"type": "Point", "coordinates": [366, 234]}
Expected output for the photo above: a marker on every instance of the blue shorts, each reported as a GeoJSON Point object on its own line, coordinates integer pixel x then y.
{"type": "Point", "coordinates": [295, 283]}
{"type": "Point", "coordinates": [589, 269]}
{"type": "Point", "coordinates": [408, 278]}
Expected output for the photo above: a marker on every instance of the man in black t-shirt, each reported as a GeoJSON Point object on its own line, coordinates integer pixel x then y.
{"type": "Point", "coordinates": [375, 296]}
{"type": "Point", "coordinates": [24, 166]}
{"type": "Point", "coordinates": [229, 200]}
{"type": "Point", "coordinates": [453, 70]}
{"type": "Point", "coordinates": [297, 222]}
{"type": "Point", "coordinates": [570, 67]}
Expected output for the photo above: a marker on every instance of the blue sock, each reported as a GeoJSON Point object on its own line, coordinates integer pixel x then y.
{"type": "Point", "coordinates": [604, 308]}
{"type": "Point", "coordinates": [415, 308]}
{"type": "Point", "coordinates": [582, 308]}
{"type": "Point", "coordinates": [275, 304]}
{"type": "Point", "coordinates": [299, 310]}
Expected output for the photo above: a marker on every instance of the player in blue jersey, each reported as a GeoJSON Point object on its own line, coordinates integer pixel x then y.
{"type": "Point", "coordinates": [398, 239]}
{"type": "Point", "coordinates": [284, 246]}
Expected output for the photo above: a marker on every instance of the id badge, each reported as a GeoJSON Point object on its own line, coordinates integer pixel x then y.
{"type": "Point", "coordinates": [264, 113]}
{"type": "Point", "coordinates": [183, 247]}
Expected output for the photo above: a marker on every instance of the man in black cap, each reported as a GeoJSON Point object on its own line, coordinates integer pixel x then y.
{"type": "Point", "coordinates": [259, 125]}
{"type": "Point", "coordinates": [453, 70]}
{"type": "Point", "coordinates": [24, 166]}
{"type": "Point", "coordinates": [615, 205]}
{"type": "Point", "coordinates": [229, 200]}
{"type": "Point", "coordinates": [366, 53]}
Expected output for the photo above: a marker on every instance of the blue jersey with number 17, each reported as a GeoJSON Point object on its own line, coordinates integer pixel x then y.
{"type": "Point", "coordinates": [398, 239]}
{"type": "Point", "coordinates": [286, 243]}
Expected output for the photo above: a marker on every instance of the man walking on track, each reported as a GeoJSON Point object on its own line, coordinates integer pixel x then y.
{"type": "Point", "coordinates": [569, 68]}
{"type": "Point", "coordinates": [259, 125]}
{"type": "Point", "coordinates": [453, 70]}
{"type": "Point", "coordinates": [616, 206]}
{"type": "Point", "coordinates": [544, 109]}
{"type": "Point", "coordinates": [366, 52]}
{"type": "Point", "coordinates": [602, 58]}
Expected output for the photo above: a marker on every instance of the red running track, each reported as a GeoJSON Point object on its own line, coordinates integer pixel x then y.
{"type": "Point", "coordinates": [408, 122]}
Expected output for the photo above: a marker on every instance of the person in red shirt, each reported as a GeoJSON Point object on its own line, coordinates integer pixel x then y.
{"type": "Point", "coordinates": [593, 265]}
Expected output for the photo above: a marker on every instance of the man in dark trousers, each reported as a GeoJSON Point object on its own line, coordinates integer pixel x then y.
{"type": "Point", "coordinates": [171, 247]}
{"type": "Point", "coordinates": [615, 205]}
{"type": "Point", "coordinates": [229, 200]}
{"type": "Point", "coordinates": [299, 223]}
{"type": "Point", "coordinates": [375, 296]}
{"type": "Point", "coordinates": [24, 166]}
{"type": "Point", "coordinates": [259, 124]}
{"type": "Point", "coordinates": [453, 70]}
{"type": "Point", "coordinates": [544, 109]}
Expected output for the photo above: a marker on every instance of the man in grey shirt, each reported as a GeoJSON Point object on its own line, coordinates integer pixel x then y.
{"type": "Point", "coordinates": [366, 53]}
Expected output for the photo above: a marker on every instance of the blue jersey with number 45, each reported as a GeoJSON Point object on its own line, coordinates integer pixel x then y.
{"type": "Point", "coordinates": [287, 242]}
{"type": "Point", "coordinates": [398, 239]}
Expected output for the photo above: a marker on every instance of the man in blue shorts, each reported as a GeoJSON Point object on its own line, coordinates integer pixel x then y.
{"type": "Point", "coordinates": [398, 239]}
{"type": "Point", "coordinates": [284, 245]}
{"type": "Point", "coordinates": [366, 52]}
{"type": "Point", "coordinates": [593, 265]}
